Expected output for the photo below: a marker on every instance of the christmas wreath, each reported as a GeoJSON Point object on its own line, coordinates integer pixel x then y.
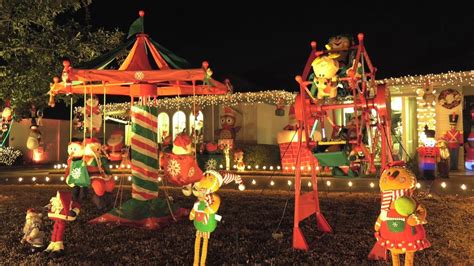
{"type": "Point", "coordinates": [449, 98]}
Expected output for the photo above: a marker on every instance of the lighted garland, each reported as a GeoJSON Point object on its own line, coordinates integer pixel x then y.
{"type": "Point", "coordinates": [9, 155]}
{"type": "Point", "coordinates": [450, 78]}
{"type": "Point", "coordinates": [270, 97]}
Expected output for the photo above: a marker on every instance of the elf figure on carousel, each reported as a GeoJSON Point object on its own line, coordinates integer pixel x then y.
{"type": "Point", "coordinates": [7, 116]}
{"type": "Point", "coordinates": [101, 180]}
{"type": "Point", "coordinates": [399, 227]}
{"type": "Point", "coordinates": [76, 172]}
{"type": "Point", "coordinates": [325, 69]}
{"type": "Point", "coordinates": [454, 138]}
{"type": "Point", "coordinates": [61, 209]}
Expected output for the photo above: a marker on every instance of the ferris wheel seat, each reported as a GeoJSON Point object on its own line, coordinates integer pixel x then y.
{"type": "Point", "coordinates": [331, 159]}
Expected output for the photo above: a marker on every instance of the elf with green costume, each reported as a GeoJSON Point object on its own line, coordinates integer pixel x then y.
{"type": "Point", "coordinates": [76, 173]}
{"type": "Point", "coordinates": [204, 213]}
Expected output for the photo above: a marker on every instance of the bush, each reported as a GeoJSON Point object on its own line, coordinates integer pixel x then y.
{"type": "Point", "coordinates": [260, 154]}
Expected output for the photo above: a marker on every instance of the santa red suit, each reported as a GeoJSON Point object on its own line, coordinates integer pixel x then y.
{"type": "Point", "coordinates": [62, 209]}
{"type": "Point", "coordinates": [101, 181]}
{"type": "Point", "coordinates": [180, 167]}
{"type": "Point", "coordinates": [115, 145]}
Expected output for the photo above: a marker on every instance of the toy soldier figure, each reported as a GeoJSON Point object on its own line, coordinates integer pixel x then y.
{"type": "Point", "coordinates": [454, 138]}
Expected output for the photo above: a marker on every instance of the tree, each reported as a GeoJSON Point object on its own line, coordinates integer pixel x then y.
{"type": "Point", "coordinates": [34, 37]}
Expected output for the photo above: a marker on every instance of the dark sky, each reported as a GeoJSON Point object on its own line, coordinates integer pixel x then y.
{"type": "Point", "coordinates": [266, 46]}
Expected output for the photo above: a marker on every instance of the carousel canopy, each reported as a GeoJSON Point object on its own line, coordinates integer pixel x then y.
{"type": "Point", "coordinates": [148, 70]}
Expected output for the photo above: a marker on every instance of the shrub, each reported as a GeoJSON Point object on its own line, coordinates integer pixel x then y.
{"type": "Point", "coordinates": [260, 154]}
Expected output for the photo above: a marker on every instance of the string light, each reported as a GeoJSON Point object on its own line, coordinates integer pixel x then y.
{"type": "Point", "coordinates": [129, 178]}
{"type": "Point", "coordinates": [328, 183]}
{"type": "Point", "coordinates": [289, 182]}
{"type": "Point", "coordinates": [33, 179]}
{"type": "Point", "coordinates": [418, 185]}
{"type": "Point", "coordinates": [443, 184]}
{"type": "Point", "coordinates": [272, 183]}
{"type": "Point", "coordinates": [62, 178]}
{"type": "Point", "coordinates": [46, 179]}
{"type": "Point", "coordinates": [256, 166]}
{"type": "Point", "coordinates": [463, 187]}
{"type": "Point", "coordinates": [159, 179]}
{"type": "Point", "coordinates": [309, 184]}
{"type": "Point", "coordinates": [274, 97]}
{"type": "Point", "coordinates": [372, 185]}
{"type": "Point", "coordinates": [20, 179]}
{"type": "Point", "coordinates": [278, 167]}
{"type": "Point", "coordinates": [254, 182]}
{"type": "Point", "coordinates": [115, 178]}
{"type": "Point", "coordinates": [271, 168]}
{"type": "Point", "coordinates": [349, 183]}
{"type": "Point", "coordinates": [451, 78]}
{"type": "Point", "coordinates": [264, 168]}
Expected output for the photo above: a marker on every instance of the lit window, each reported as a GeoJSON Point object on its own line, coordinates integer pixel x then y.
{"type": "Point", "coordinates": [196, 123]}
{"type": "Point", "coordinates": [179, 123]}
{"type": "Point", "coordinates": [163, 126]}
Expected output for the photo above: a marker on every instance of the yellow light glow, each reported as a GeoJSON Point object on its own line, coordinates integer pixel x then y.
{"type": "Point", "coordinates": [328, 183]}
{"type": "Point", "coordinates": [443, 184]}
{"type": "Point", "coordinates": [272, 183]}
{"type": "Point", "coordinates": [418, 185]}
{"type": "Point", "coordinates": [309, 184]}
{"type": "Point", "coordinates": [463, 187]}
{"type": "Point", "coordinates": [254, 182]}
{"type": "Point", "coordinates": [46, 179]}
{"type": "Point", "coordinates": [349, 183]}
{"type": "Point", "coordinates": [372, 185]}
{"type": "Point", "coordinates": [289, 182]}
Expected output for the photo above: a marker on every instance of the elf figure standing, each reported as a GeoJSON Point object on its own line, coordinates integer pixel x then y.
{"type": "Point", "coordinates": [204, 212]}
{"type": "Point", "coordinates": [62, 209]}
{"type": "Point", "coordinates": [399, 227]}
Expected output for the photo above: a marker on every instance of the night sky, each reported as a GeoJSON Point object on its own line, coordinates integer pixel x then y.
{"type": "Point", "coordinates": [264, 47]}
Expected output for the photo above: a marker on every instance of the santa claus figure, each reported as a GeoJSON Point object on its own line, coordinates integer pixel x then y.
{"type": "Point", "coordinates": [97, 166]}
{"type": "Point", "coordinates": [93, 116]}
{"type": "Point", "coordinates": [115, 145]}
{"type": "Point", "coordinates": [33, 230]}
{"type": "Point", "coordinates": [180, 167]}
{"type": "Point", "coordinates": [76, 173]}
{"type": "Point", "coordinates": [62, 209]}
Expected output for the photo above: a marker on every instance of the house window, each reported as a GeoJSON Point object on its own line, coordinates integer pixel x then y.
{"type": "Point", "coordinates": [163, 126]}
{"type": "Point", "coordinates": [196, 123]}
{"type": "Point", "coordinates": [179, 123]}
